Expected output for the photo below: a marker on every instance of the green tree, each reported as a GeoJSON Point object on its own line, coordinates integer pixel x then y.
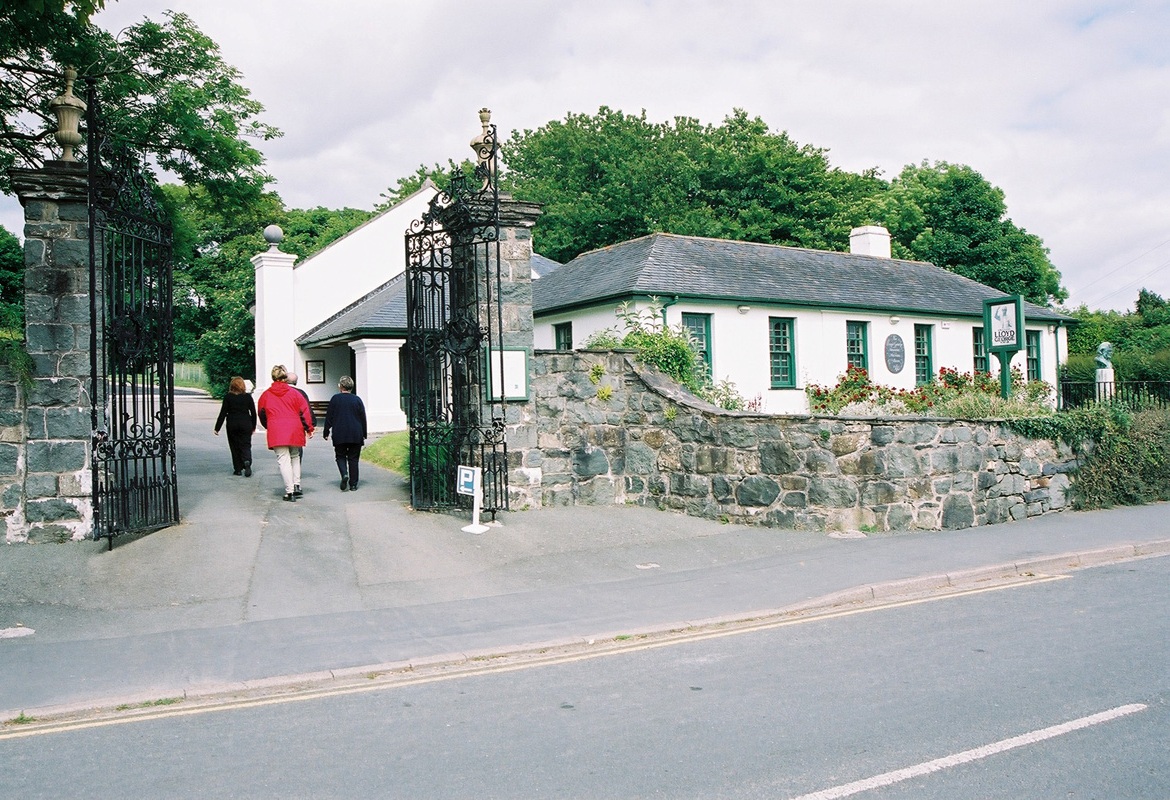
{"type": "Point", "coordinates": [1140, 338]}
{"type": "Point", "coordinates": [164, 87]}
{"type": "Point", "coordinates": [951, 216]}
{"type": "Point", "coordinates": [11, 281]}
{"type": "Point", "coordinates": [1153, 310]}
{"type": "Point", "coordinates": [607, 177]}
{"type": "Point", "coordinates": [82, 9]}
{"type": "Point", "coordinates": [166, 92]}
{"type": "Point", "coordinates": [611, 176]}
{"type": "Point", "coordinates": [408, 185]}
{"type": "Point", "coordinates": [214, 278]}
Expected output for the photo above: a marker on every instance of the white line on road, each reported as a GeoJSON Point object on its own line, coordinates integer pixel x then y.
{"type": "Point", "coordinates": [966, 756]}
{"type": "Point", "coordinates": [15, 633]}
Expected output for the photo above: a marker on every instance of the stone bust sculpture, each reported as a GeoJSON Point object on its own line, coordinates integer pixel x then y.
{"type": "Point", "coordinates": [1104, 356]}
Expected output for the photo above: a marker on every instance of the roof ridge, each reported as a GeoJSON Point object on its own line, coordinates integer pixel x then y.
{"type": "Point", "coordinates": [775, 246]}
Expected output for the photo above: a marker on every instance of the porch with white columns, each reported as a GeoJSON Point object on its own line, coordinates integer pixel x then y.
{"type": "Point", "coordinates": [379, 383]}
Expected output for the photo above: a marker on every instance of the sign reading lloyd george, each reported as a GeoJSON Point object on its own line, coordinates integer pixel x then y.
{"type": "Point", "coordinates": [1003, 318]}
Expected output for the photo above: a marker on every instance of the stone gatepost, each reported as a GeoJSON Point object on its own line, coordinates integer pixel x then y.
{"type": "Point", "coordinates": [56, 501]}
{"type": "Point", "coordinates": [517, 219]}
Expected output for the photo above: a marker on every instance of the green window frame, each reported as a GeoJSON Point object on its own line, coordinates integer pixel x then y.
{"type": "Point", "coordinates": [782, 352]}
{"type": "Point", "coordinates": [923, 356]}
{"type": "Point", "coordinates": [979, 351]}
{"type": "Point", "coordinates": [699, 326]}
{"type": "Point", "coordinates": [1032, 343]}
{"type": "Point", "coordinates": [563, 335]}
{"type": "Point", "coordinates": [857, 344]}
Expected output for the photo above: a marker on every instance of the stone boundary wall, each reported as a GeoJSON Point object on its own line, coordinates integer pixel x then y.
{"type": "Point", "coordinates": [634, 436]}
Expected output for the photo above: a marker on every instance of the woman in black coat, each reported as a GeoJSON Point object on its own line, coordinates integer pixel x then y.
{"type": "Point", "coordinates": [239, 410]}
{"type": "Point", "coordinates": [346, 420]}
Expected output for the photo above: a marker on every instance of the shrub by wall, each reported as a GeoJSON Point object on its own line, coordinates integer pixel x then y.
{"type": "Point", "coordinates": [1130, 466]}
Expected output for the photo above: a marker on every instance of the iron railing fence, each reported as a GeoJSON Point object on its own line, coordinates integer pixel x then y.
{"type": "Point", "coordinates": [1134, 394]}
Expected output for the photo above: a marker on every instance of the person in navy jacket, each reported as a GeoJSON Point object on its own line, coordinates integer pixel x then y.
{"type": "Point", "coordinates": [346, 420]}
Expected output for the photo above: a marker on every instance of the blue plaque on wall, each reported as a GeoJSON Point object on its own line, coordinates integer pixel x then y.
{"type": "Point", "coordinates": [895, 353]}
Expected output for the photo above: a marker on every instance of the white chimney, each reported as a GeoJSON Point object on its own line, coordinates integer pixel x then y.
{"type": "Point", "coordinates": [870, 240]}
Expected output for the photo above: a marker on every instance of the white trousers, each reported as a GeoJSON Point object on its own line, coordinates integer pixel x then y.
{"type": "Point", "coordinates": [289, 461]}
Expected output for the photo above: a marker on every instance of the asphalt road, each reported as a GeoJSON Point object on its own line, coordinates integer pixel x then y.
{"type": "Point", "coordinates": [950, 697]}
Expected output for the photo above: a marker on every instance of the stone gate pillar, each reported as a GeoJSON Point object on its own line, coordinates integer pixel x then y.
{"type": "Point", "coordinates": [517, 219]}
{"type": "Point", "coordinates": [56, 502]}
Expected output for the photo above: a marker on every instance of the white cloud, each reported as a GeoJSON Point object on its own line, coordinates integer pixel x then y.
{"type": "Point", "coordinates": [1062, 104]}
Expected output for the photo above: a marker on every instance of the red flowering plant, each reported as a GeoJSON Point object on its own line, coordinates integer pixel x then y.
{"type": "Point", "coordinates": [951, 393]}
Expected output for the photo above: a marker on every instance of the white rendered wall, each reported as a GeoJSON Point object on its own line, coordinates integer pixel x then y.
{"type": "Point", "coordinates": [291, 300]}
{"type": "Point", "coordinates": [337, 363]}
{"type": "Point", "coordinates": [356, 264]}
{"type": "Point", "coordinates": [585, 322]}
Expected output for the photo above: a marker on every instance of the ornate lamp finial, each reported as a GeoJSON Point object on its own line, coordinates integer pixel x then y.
{"type": "Point", "coordinates": [484, 146]}
{"type": "Point", "coordinates": [485, 143]}
{"type": "Point", "coordinates": [68, 109]}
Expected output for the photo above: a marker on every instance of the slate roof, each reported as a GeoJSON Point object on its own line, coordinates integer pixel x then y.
{"type": "Point", "coordinates": [380, 314]}
{"type": "Point", "coordinates": [542, 266]}
{"type": "Point", "coordinates": [668, 265]}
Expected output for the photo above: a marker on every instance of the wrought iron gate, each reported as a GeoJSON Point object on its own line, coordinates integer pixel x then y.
{"type": "Point", "coordinates": [454, 309]}
{"type": "Point", "coordinates": [135, 487]}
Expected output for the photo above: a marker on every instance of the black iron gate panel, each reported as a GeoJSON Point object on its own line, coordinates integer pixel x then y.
{"type": "Point", "coordinates": [453, 307]}
{"type": "Point", "coordinates": [135, 487]}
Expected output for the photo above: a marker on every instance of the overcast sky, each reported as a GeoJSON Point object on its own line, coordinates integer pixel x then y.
{"type": "Point", "coordinates": [1065, 105]}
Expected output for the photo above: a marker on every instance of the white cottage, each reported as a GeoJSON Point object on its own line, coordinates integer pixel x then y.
{"type": "Point", "coordinates": [314, 317]}
{"type": "Point", "coordinates": [775, 319]}
{"type": "Point", "coordinates": [770, 319]}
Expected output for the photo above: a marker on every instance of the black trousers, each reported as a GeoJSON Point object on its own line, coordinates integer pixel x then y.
{"type": "Point", "coordinates": [348, 456]}
{"type": "Point", "coordinates": [240, 443]}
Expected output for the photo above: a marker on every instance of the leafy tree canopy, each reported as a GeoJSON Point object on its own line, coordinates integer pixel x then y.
{"type": "Point", "coordinates": [164, 88]}
{"type": "Point", "coordinates": [11, 279]}
{"type": "Point", "coordinates": [438, 175]}
{"type": "Point", "coordinates": [609, 177]}
{"type": "Point", "coordinates": [1140, 338]}
{"type": "Point", "coordinates": [951, 216]}
{"type": "Point", "coordinates": [213, 275]}
{"type": "Point", "coordinates": [82, 9]}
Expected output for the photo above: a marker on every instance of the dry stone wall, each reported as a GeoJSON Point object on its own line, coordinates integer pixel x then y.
{"type": "Point", "coordinates": [601, 429]}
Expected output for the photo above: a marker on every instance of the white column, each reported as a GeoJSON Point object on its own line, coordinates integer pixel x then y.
{"type": "Point", "coordinates": [379, 383]}
{"type": "Point", "coordinates": [275, 304]}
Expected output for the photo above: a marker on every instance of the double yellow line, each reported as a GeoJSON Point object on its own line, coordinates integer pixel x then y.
{"type": "Point", "coordinates": [383, 681]}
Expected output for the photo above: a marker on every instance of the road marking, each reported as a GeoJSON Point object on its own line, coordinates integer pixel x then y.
{"type": "Point", "coordinates": [15, 633]}
{"type": "Point", "coordinates": [898, 775]}
{"type": "Point", "coordinates": [472, 668]}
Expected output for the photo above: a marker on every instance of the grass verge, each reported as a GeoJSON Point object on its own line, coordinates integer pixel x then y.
{"type": "Point", "coordinates": [390, 451]}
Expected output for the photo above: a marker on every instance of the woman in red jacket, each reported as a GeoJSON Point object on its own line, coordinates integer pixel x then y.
{"type": "Point", "coordinates": [284, 412]}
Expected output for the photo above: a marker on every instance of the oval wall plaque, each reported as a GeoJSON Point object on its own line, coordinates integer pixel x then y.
{"type": "Point", "coordinates": [895, 353]}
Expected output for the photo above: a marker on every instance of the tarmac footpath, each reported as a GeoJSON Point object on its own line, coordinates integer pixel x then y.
{"type": "Point", "coordinates": [250, 592]}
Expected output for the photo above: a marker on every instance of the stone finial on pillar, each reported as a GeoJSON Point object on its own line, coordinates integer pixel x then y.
{"type": "Point", "coordinates": [485, 146]}
{"type": "Point", "coordinates": [68, 108]}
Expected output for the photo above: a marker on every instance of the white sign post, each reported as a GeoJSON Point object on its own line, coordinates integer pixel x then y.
{"type": "Point", "coordinates": [471, 482]}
